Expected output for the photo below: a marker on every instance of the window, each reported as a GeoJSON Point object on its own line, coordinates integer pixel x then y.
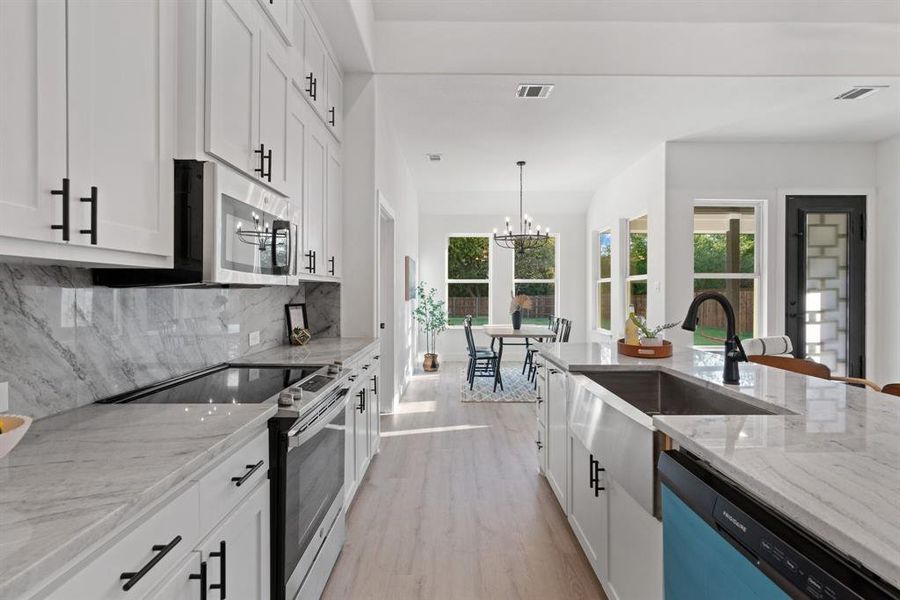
{"type": "Point", "coordinates": [534, 274]}
{"type": "Point", "coordinates": [468, 279]}
{"type": "Point", "coordinates": [726, 260]}
{"type": "Point", "coordinates": [636, 276]}
{"type": "Point", "coordinates": [604, 280]}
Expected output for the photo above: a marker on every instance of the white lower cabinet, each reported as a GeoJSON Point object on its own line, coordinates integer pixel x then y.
{"type": "Point", "coordinates": [362, 423]}
{"type": "Point", "coordinates": [237, 553]}
{"type": "Point", "coordinates": [170, 551]}
{"type": "Point", "coordinates": [557, 434]}
{"type": "Point", "coordinates": [184, 581]}
{"type": "Point", "coordinates": [589, 509]}
{"type": "Point", "coordinates": [635, 548]}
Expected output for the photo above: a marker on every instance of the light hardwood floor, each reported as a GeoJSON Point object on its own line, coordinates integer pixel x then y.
{"type": "Point", "coordinates": [453, 507]}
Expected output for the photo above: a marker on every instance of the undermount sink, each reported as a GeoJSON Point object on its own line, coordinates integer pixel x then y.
{"type": "Point", "coordinates": [658, 393]}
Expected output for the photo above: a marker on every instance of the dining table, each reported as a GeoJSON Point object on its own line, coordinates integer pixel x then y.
{"type": "Point", "coordinates": [525, 332]}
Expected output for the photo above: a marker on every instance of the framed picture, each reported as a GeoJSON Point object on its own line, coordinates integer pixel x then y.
{"type": "Point", "coordinates": [295, 316]}
{"type": "Point", "coordinates": [410, 278]}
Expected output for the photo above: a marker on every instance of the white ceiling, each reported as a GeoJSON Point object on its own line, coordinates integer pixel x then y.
{"type": "Point", "coordinates": [682, 11]}
{"type": "Point", "coordinates": [592, 127]}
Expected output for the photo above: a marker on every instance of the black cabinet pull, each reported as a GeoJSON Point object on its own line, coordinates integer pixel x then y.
{"type": "Point", "coordinates": [331, 112]}
{"type": "Point", "coordinates": [375, 384]}
{"type": "Point", "coordinates": [309, 261]}
{"type": "Point", "coordinates": [161, 551]}
{"type": "Point", "coordinates": [315, 88]}
{"type": "Point", "coordinates": [361, 407]}
{"type": "Point", "coordinates": [331, 268]}
{"type": "Point", "coordinates": [64, 192]}
{"type": "Point", "coordinates": [592, 473]}
{"type": "Point", "coordinates": [268, 174]}
{"type": "Point", "coordinates": [93, 230]}
{"type": "Point", "coordinates": [239, 481]}
{"type": "Point", "coordinates": [202, 577]}
{"type": "Point", "coordinates": [262, 161]}
{"type": "Point", "coordinates": [315, 261]}
{"type": "Point", "coordinates": [539, 444]}
{"type": "Point", "coordinates": [313, 85]}
{"type": "Point", "coordinates": [222, 571]}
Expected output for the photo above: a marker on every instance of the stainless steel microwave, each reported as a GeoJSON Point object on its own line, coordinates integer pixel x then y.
{"type": "Point", "coordinates": [229, 230]}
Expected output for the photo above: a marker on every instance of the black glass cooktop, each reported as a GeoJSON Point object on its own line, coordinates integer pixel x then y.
{"type": "Point", "coordinates": [222, 385]}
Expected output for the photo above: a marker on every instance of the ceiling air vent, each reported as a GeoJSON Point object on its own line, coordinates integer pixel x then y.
{"type": "Point", "coordinates": [858, 92]}
{"type": "Point", "coordinates": [534, 90]}
{"type": "Point", "coordinates": [434, 157]}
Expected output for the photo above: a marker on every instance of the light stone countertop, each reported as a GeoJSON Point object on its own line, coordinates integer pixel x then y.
{"type": "Point", "coordinates": [319, 351]}
{"type": "Point", "coordinates": [78, 476]}
{"type": "Point", "coordinates": [833, 467]}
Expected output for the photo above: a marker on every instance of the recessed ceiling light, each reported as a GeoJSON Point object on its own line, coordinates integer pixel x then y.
{"type": "Point", "coordinates": [534, 90]}
{"type": "Point", "coordinates": [858, 92]}
{"type": "Point", "coordinates": [434, 157]}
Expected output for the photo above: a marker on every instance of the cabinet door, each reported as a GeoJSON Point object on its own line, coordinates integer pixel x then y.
{"type": "Point", "coordinates": [334, 214]}
{"type": "Point", "coordinates": [33, 117]}
{"type": "Point", "coordinates": [122, 122]}
{"type": "Point", "coordinates": [589, 511]}
{"type": "Point", "coordinates": [373, 405]}
{"type": "Point", "coordinates": [557, 434]}
{"type": "Point", "coordinates": [350, 447]}
{"type": "Point", "coordinates": [232, 83]}
{"type": "Point", "coordinates": [361, 427]}
{"type": "Point", "coordinates": [298, 119]}
{"type": "Point", "coordinates": [298, 49]}
{"type": "Point", "coordinates": [280, 12]}
{"type": "Point", "coordinates": [335, 103]}
{"type": "Point", "coordinates": [183, 582]}
{"type": "Point", "coordinates": [274, 84]}
{"type": "Point", "coordinates": [315, 60]}
{"type": "Point", "coordinates": [237, 552]}
{"type": "Point", "coordinates": [314, 200]}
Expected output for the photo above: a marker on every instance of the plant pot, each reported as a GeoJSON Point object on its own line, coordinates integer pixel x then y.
{"type": "Point", "coordinates": [517, 320]}
{"type": "Point", "coordinates": [431, 362]}
{"type": "Point", "coordinates": [655, 341]}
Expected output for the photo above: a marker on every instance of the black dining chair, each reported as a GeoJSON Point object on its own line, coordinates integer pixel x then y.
{"type": "Point", "coordinates": [528, 364]}
{"type": "Point", "coordinates": [562, 328]}
{"type": "Point", "coordinates": [483, 362]}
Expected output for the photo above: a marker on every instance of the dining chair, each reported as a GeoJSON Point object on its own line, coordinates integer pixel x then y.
{"type": "Point", "coordinates": [528, 363]}
{"type": "Point", "coordinates": [892, 388]}
{"type": "Point", "coordinates": [811, 368]}
{"type": "Point", "coordinates": [483, 362]}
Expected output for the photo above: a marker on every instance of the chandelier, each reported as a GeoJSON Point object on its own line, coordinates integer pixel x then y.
{"type": "Point", "coordinates": [527, 238]}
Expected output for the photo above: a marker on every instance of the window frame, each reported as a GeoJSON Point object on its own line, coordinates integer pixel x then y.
{"type": "Point", "coordinates": [626, 267]}
{"type": "Point", "coordinates": [759, 272]}
{"type": "Point", "coordinates": [599, 279]}
{"type": "Point", "coordinates": [554, 281]}
{"type": "Point", "coordinates": [448, 281]}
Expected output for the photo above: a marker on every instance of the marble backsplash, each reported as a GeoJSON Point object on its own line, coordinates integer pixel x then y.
{"type": "Point", "coordinates": [66, 343]}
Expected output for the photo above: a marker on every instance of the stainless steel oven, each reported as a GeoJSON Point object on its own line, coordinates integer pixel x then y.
{"type": "Point", "coordinates": [307, 458]}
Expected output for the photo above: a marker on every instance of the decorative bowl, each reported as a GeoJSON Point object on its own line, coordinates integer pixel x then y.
{"type": "Point", "coordinates": [13, 428]}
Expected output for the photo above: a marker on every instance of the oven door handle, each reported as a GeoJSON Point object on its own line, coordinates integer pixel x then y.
{"type": "Point", "coordinates": [338, 405]}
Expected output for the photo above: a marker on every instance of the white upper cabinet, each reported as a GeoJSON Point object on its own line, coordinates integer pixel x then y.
{"type": "Point", "coordinates": [279, 11]}
{"type": "Point", "coordinates": [334, 214]}
{"type": "Point", "coordinates": [334, 116]}
{"type": "Point", "coordinates": [122, 121]}
{"type": "Point", "coordinates": [315, 75]}
{"type": "Point", "coordinates": [33, 118]}
{"type": "Point", "coordinates": [232, 84]}
{"type": "Point", "coordinates": [298, 121]}
{"type": "Point", "coordinates": [314, 208]}
{"type": "Point", "coordinates": [298, 49]}
{"type": "Point", "coordinates": [274, 85]}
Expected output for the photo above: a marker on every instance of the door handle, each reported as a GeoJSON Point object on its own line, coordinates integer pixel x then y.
{"type": "Point", "coordinates": [93, 230]}
{"type": "Point", "coordinates": [202, 577]}
{"type": "Point", "coordinates": [64, 192]}
{"type": "Point", "coordinates": [222, 571]}
{"type": "Point", "coordinates": [161, 551]}
{"type": "Point", "coordinates": [262, 161]}
{"type": "Point", "coordinates": [331, 116]}
{"type": "Point", "coordinates": [331, 268]}
{"type": "Point", "coordinates": [251, 469]}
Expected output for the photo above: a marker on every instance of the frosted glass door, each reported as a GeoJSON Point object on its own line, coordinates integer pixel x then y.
{"type": "Point", "coordinates": [826, 264]}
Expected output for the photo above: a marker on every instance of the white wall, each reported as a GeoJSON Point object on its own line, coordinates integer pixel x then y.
{"type": "Point", "coordinates": [639, 190]}
{"type": "Point", "coordinates": [886, 360]}
{"type": "Point", "coordinates": [433, 233]}
{"type": "Point", "coordinates": [766, 172]}
{"type": "Point", "coordinates": [373, 165]}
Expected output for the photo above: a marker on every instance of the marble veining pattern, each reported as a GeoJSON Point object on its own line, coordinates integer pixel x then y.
{"type": "Point", "coordinates": [79, 475]}
{"type": "Point", "coordinates": [319, 351]}
{"type": "Point", "coordinates": [65, 343]}
{"type": "Point", "coordinates": [833, 466]}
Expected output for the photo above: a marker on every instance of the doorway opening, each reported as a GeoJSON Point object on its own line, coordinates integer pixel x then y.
{"type": "Point", "coordinates": [387, 309]}
{"type": "Point", "coordinates": [825, 307]}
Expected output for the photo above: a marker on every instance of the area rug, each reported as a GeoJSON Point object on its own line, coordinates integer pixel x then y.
{"type": "Point", "coordinates": [516, 387]}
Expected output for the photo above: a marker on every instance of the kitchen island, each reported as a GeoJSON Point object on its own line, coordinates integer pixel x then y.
{"type": "Point", "coordinates": [827, 460]}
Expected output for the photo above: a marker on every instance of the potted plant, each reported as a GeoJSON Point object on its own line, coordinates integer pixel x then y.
{"type": "Point", "coordinates": [650, 336]}
{"type": "Point", "coordinates": [516, 306]}
{"type": "Point", "coordinates": [429, 313]}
